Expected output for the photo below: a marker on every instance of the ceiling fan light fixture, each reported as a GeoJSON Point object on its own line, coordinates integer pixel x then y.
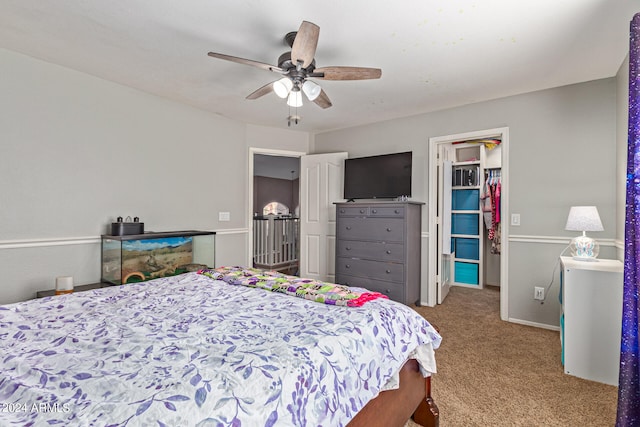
{"type": "Point", "coordinates": [295, 98]}
{"type": "Point", "coordinates": [283, 87]}
{"type": "Point", "coordinates": [297, 65]}
{"type": "Point", "coordinates": [311, 89]}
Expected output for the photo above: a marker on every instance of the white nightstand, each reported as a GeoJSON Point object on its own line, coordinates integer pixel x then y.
{"type": "Point", "coordinates": [591, 318]}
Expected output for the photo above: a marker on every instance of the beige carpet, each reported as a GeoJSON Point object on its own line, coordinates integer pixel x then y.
{"type": "Point", "coordinates": [495, 373]}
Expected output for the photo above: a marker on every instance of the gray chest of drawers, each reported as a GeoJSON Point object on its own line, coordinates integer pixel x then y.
{"type": "Point", "coordinates": [378, 247]}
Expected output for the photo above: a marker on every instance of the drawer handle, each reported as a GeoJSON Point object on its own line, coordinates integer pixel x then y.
{"type": "Point", "coordinates": [347, 266]}
{"type": "Point", "coordinates": [361, 210]}
{"type": "Point", "coordinates": [341, 210]}
{"type": "Point", "coordinates": [387, 291]}
{"type": "Point", "coordinates": [388, 252]}
{"type": "Point", "coordinates": [348, 227]}
{"type": "Point", "coordinates": [348, 248]}
{"type": "Point", "coordinates": [388, 271]}
{"type": "Point", "coordinates": [397, 211]}
{"type": "Point", "coordinates": [388, 229]}
{"type": "Point", "coordinates": [374, 211]}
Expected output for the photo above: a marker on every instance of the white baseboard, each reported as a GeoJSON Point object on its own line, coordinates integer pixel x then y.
{"type": "Point", "coordinates": [535, 324]}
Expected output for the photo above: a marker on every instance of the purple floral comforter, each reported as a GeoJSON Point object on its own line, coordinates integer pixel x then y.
{"type": "Point", "coordinates": [188, 350]}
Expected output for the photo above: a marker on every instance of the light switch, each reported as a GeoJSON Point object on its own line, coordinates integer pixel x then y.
{"type": "Point", "coordinates": [224, 216]}
{"type": "Point", "coordinates": [515, 219]}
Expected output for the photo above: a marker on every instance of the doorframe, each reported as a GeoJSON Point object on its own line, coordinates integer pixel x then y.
{"type": "Point", "coordinates": [269, 152]}
{"type": "Point", "coordinates": [434, 143]}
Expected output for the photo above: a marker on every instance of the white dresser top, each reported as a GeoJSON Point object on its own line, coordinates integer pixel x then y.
{"type": "Point", "coordinates": [612, 265]}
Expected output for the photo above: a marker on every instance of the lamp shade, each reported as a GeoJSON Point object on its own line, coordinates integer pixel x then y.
{"type": "Point", "coordinates": [295, 98]}
{"type": "Point", "coordinates": [282, 87]}
{"type": "Point", "coordinates": [584, 218]}
{"type": "Point", "coordinates": [311, 89]}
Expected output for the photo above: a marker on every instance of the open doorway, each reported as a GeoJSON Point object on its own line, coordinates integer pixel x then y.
{"type": "Point", "coordinates": [320, 186]}
{"type": "Point", "coordinates": [275, 208]}
{"type": "Point", "coordinates": [463, 233]}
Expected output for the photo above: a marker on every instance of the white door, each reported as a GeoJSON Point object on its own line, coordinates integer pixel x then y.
{"type": "Point", "coordinates": [321, 178]}
{"type": "Point", "coordinates": [445, 255]}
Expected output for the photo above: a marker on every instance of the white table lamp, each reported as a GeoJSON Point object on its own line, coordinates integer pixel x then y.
{"type": "Point", "coordinates": [584, 218]}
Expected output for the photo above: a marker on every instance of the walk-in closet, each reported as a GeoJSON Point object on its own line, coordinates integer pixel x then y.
{"type": "Point", "coordinates": [469, 210]}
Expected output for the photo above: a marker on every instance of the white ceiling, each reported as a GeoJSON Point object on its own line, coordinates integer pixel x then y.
{"type": "Point", "coordinates": [434, 54]}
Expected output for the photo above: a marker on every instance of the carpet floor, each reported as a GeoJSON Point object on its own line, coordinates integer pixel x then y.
{"type": "Point", "coordinates": [496, 373]}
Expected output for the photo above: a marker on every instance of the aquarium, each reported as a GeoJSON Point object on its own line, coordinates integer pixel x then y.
{"type": "Point", "coordinates": [140, 257]}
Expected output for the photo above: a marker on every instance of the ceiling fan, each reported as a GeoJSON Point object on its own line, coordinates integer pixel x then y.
{"type": "Point", "coordinates": [298, 65]}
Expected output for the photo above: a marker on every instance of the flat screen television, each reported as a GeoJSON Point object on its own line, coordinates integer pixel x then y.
{"type": "Point", "coordinates": [386, 176]}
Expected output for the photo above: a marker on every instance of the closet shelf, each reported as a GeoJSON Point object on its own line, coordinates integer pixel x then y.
{"type": "Point", "coordinates": [465, 187]}
{"type": "Point", "coordinates": [467, 260]}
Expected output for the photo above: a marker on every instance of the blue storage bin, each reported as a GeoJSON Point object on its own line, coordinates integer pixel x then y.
{"type": "Point", "coordinates": [464, 223]}
{"type": "Point", "coordinates": [466, 272]}
{"type": "Point", "coordinates": [465, 200]}
{"type": "Point", "coordinates": [467, 248]}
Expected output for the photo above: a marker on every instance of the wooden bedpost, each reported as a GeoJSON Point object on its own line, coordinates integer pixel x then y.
{"type": "Point", "coordinates": [427, 413]}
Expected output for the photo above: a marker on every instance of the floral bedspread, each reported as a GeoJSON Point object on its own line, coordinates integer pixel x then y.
{"type": "Point", "coordinates": [188, 350]}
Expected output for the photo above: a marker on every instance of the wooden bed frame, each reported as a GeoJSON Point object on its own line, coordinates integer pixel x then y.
{"type": "Point", "coordinates": [393, 408]}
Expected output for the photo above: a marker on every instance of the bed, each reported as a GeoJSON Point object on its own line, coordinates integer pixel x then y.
{"type": "Point", "coordinates": [200, 349]}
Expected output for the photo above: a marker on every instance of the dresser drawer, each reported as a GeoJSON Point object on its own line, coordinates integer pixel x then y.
{"type": "Point", "coordinates": [395, 291]}
{"type": "Point", "coordinates": [385, 271]}
{"type": "Point", "coordinates": [353, 211]}
{"type": "Point", "coordinates": [380, 229]}
{"type": "Point", "coordinates": [387, 211]}
{"type": "Point", "coordinates": [370, 250]}
{"type": "Point", "coordinates": [376, 211]}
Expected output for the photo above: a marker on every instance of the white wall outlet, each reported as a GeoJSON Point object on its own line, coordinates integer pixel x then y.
{"type": "Point", "coordinates": [515, 219]}
{"type": "Point", "coordinates": [538, 293]}
{"type": "Point", "coordinates": [224, 216]}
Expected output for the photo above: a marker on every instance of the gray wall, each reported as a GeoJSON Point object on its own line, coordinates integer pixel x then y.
{"type": "Point", "coordinates": [562, 153]}
{"type": "Point", "coordinates": [267, 190]}
{"type": "Point", "coordinates": [77, 151]}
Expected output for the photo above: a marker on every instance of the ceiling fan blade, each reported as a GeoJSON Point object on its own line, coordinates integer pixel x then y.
{"type": "Point", "coordinates": [268, 88]}
{"type": "Point", "coordinates": [323, 100]}
{"type": "Point", "coordinates": [251, 62]}
{"type": "Point", "coordinates": [346, 73]}
{"type": "Point", "coordinates": [305, 43]}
